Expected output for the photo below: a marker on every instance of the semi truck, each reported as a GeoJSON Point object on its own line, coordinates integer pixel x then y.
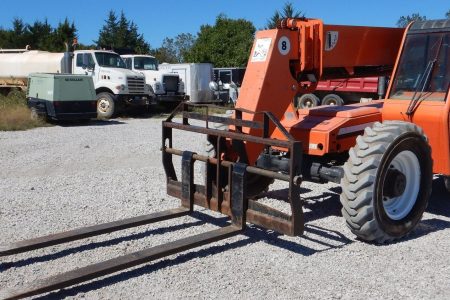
{"type": "Point", "coordinates": [115, 85]}
{"type": "Point", "coordinates": [167, 86]}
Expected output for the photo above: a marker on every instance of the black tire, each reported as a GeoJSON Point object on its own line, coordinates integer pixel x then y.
{"type": "Point", "coordinates": [34, 114]}
{"type": "Point", "coordinates": [307, 101]}
{"type": "Point", "coordinates": [256, 184]}
{"type": "Point", "coordinates": [37, 115]}
{"type": "Point", "coordinates": [380, 202]}
{"type": "Point", "coordinates": [105, 105]}
{"type": "Point", "coordinates": [332, 99]}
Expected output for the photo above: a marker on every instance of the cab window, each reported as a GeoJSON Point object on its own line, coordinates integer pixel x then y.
{"type": "Point", "coordinates": [424, 68]}
{"type": "Point", "coordinates": [85, 59]}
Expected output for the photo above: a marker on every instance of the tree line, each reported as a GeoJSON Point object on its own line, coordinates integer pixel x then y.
{"type": "Point", "coordinates": [403, 21]}
{"type": "Point", "coordinates": [226, 43]}
{"type": "Point", "coordinates": [39, 35]}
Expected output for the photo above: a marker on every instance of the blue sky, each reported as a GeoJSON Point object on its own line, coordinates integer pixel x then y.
{"type": "Point", "coordinates": [167, 18]}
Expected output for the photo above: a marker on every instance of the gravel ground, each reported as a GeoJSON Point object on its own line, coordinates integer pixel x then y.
{"type": "Point", "coordinates": [61, 177]}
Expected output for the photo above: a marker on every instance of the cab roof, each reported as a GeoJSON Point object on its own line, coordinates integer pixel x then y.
{"type": "Point", "coordinates": [430, 26]}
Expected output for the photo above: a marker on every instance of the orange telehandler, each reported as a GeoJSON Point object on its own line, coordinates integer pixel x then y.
{"type": "Point", "coordinates": [383, 153]}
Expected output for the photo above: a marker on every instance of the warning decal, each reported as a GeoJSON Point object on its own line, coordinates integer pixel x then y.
{"type": "Point", "coordinates": [331, 40]}
{"type": "Point", "coordinates": [261, 50]}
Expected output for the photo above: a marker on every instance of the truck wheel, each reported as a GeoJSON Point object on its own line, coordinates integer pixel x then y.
{"type": "Point", "coordinates": [332, 99]}
{"type": "Point", "coordinates": [387, 181]}
{"type": "Point", "coordinates": [35, 115]}
{"type": "Point", "coordinates": [105, 105]}
{"type": "Point", "coordinates": [307, 101]}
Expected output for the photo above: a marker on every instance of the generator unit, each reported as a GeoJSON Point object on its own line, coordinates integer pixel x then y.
{"type": "Point", "coordinates": [62, 96]}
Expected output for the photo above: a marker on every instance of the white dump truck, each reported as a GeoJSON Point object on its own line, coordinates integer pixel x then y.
{"type": "Point", "coordinates": [167, 85]}
{"type": "Point", "coordinates": [115, 85]}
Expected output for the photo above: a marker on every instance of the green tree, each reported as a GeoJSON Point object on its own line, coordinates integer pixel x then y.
{"type": "Point", "coordinates": [166, 53]}
{"type": "Point", "coordinates": [39, 35]}
{"type": "Point", "coordinates": [175, 50]}
{"type": "Point", "coordinates": [183, 44]}
{"type": "Point", "coordinates": [403, 21]}
{"type": "Point", "coordinates": [107, 33]}
{"type": "Point", "coordinates": [18, 36]}
{"type": "Point", "coordinates": [119, 33]}
{"type": "Point", "coordinates": [287, 12]}
{"type": "Point", "coordinates": [64, 33]}
{"type": "Point", "coordinates": [225, 44]}
{"type": "Point", "coordinates": [448, 14]}
{"type": "Point", "coordinates": [3, 37]}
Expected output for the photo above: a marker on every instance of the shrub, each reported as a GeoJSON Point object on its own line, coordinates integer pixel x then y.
{"type": "Point", "coordinates": [14, 113]}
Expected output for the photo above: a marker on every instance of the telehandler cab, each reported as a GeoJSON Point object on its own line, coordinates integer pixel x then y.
{"type": "Point", "coordinates": [383, 153]}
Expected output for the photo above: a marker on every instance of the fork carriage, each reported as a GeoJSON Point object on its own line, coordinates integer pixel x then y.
{"type": "Point", "coordinates": [216, 193]}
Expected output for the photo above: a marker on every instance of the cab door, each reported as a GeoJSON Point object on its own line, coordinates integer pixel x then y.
{"type": "Point", "coordinates": [85, 64]}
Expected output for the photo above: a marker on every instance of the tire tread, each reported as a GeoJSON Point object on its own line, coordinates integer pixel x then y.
{"type": "Point", "coordinates": [360, 173]}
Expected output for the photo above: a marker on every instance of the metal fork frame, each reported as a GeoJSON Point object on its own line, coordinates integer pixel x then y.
{"type": "Point", "coordinates": [215, 196]}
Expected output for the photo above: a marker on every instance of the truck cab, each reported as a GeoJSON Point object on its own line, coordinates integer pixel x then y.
{"type": "Point", "coordinates": [167, 86]}
{"type": "Point", "coordinates": [113, 82]}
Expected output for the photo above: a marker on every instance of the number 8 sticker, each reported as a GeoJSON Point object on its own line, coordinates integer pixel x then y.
{"type": "Point", "coordinates": [284, 46]}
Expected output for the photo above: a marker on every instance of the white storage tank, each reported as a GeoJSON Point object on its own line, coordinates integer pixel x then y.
{"type": "Point", "coordinates": [16, 67]}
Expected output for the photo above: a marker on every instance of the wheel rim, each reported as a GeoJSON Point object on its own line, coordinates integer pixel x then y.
{"type": "Point", "coordinates": [332, 102]}
{"type": "Point", "coordinates": [401, 185]}
{"type": "Point", "coordinates": [306, 103]}
{"type": "Point", "coordinates": [103, 105]}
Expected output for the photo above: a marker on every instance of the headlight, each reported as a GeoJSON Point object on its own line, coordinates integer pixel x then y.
{"type": "Point", "coordinates": [121, 87]}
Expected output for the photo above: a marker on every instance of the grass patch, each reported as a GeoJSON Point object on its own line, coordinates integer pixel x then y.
{"type": "Point", "coordinates": [163, 110]}
{"type": "Point", "coordinates": [216, 110]}
{"type": "Point", "coordinates": [14, 113]}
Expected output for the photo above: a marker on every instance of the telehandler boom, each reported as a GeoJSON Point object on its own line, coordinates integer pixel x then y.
{"type": "Point", "coordinates": [380, 152]}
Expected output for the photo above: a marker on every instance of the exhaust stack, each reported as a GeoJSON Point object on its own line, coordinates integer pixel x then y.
{"type": "Point", "coordinates": [67, 59]}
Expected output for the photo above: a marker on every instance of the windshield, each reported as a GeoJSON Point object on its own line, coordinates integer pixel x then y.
{"type": "Point", "coordinates": [109, 60]}
{"type": "Point", "coordinates": [424, 68]}
{"type": "Point", "coordinates": [145, 63]}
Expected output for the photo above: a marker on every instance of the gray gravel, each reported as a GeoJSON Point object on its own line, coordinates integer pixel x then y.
{"type": "Point", "coordinates": [60, 177]}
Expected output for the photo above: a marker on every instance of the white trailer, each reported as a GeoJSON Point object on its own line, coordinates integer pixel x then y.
{"type": "Point", "coordinates": [114, 84]}
{"type": "Point", "coordinates": [196, 78]}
